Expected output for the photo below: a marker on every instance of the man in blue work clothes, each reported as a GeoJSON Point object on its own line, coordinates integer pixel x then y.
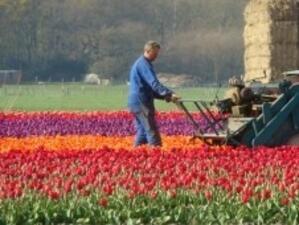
{"type": "Point", "coordinates": [144, 87]}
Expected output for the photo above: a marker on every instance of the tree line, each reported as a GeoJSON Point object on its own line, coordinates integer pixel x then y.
{"type": "Point", "coordinates": [65, 39]}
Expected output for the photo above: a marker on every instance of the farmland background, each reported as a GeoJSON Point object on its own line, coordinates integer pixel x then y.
{"type": "Point", "coordinates": [57, 43]}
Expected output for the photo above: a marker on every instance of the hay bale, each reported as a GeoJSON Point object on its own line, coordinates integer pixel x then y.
{"type": "Point", "coordinates": [270, 38]}
{"type": "Point", "coordinates": [271, 33]}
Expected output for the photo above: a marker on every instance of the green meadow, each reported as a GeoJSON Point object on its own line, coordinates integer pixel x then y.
{"type": "Point", "coordinates": [82, 97]}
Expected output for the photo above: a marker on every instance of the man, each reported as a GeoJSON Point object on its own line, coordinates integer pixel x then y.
{"type": "Point", "coordinates": [144, 87]}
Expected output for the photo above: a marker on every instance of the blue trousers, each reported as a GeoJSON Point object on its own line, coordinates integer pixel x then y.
{"type": "Point", "coordinates": [147, 129]}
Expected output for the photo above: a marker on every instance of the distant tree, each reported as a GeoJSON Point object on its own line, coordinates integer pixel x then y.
{"type": "Point", "coordinates": [63, 39]}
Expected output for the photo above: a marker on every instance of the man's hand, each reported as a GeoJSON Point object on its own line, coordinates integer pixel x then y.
{"type": "Point", "coordinates": [175, 98]}
{"type": "Point", "coordinates": [172, 98]}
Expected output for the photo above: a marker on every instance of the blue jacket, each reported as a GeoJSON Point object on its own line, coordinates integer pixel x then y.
{"type": "Point", "coordinates": [144, 87]}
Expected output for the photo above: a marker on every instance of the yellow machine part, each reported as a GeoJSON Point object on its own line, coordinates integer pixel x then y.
{"type": "Point", "coordinates": [234, 94]}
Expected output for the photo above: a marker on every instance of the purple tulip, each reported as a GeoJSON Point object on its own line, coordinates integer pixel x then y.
{"type": "Point", "coordinates": [96, 123]}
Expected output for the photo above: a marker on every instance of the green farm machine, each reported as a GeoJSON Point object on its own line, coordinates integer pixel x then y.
{"type": "Point", "coordinates": [252, 115]}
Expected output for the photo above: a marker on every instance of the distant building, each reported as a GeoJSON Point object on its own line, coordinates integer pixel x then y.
{"type": "Point", "coordinates": [92, 78]}
{"type": "Point", "coordinates": [95, 79]}
{"type": "Point", "coordinates": [105, 82]}
{"type": "Point", "coordinates": [178, 80]}
{"type": "Point", "coordinates": [10, 77]}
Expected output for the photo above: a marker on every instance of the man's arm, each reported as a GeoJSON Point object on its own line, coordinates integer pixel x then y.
{"type": "Point", "coordinates": [157, 96]}
{"type": "Point", "coordinates": [149, 76]}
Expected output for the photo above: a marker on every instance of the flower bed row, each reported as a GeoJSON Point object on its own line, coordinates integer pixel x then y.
{"type": "Point", "coordinates": [97, 123]}
{"type": "Point", "coordinates": [87, 142]}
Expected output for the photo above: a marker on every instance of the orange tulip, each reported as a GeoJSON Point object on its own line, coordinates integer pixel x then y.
{"type": "Point", "coordinates": [87, 142]}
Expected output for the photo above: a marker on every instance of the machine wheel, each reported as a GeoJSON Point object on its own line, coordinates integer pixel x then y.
{"type": "Point", "coordinates": [293, 140]}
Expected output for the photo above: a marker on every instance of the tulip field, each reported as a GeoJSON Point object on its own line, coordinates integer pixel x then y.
{"type": "Point", "coordinates": [80, 168]}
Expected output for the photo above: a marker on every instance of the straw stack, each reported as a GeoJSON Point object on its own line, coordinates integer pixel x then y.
{"type": "Point", "coordinates": [271, 39]}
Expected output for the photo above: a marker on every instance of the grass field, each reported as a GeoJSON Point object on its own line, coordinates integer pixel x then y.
{"type": "Point", "coordinates": [81, 97]}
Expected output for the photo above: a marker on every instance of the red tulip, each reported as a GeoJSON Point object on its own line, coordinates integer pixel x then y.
{"type": "Point", "coordinates": [284, 201]}
{"type": "Point", "coordinates": [53, 194]}
{"type": "Point", "coordinates": [208, 195]}
{"type": "Point", "coordinates": [103, 202]}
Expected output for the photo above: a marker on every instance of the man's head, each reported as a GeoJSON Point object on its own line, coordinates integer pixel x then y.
{"type": "Point", "coordinates": [151, 50]}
